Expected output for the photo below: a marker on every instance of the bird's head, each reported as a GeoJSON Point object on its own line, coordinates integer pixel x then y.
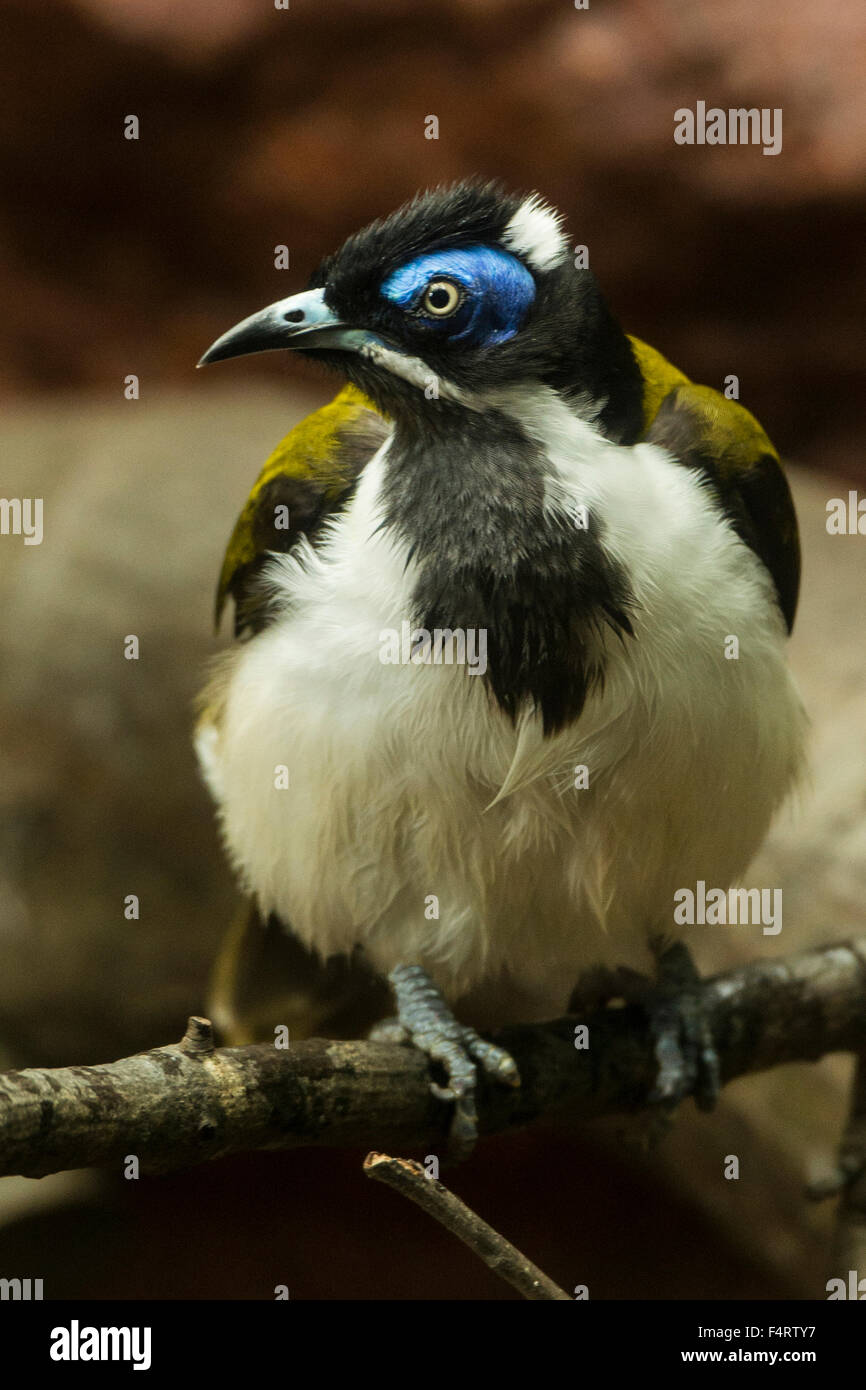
{"type": "Point", "coordinates": [464, 290]}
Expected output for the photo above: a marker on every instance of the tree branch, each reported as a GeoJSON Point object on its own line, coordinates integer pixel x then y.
{"type": "Point", "coordinates": [849, 1244]}
{"type": "Point", "coordinates": [180, 1105]}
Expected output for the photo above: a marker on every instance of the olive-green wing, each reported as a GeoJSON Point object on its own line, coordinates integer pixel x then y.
{"type": "Point", "coordinates": [307, 479]}
{"type": "Point", "coordinates": [722, 441]}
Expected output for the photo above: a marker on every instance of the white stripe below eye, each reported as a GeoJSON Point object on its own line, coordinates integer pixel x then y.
{"type": "Point", "coordinates": [535, 232]}
{"type": "Point", "coordinates": [412, 369]}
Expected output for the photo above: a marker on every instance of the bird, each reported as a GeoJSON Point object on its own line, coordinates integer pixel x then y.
{"type": "Point", "coordinates": [512, 614]}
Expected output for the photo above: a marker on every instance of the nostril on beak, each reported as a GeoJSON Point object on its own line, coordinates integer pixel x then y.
{"type": "Point", "coordinates": [294, 316]}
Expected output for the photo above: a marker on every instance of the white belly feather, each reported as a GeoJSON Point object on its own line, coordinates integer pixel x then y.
{"type": "Point", "coordinates": [408, 788]}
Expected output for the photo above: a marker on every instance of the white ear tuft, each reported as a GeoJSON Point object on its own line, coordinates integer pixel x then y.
{"type": "Point", "coordinates": [535, 232]}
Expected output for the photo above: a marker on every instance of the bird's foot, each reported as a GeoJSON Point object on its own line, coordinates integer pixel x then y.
{"type": "Point", "coordinates": [425, 1021]}
{"type": "Point", "coordinates": [688, 1063]}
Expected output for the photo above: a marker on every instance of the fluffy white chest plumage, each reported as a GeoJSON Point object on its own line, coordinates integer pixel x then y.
{"type": "Point", "coordinates": [413, 818]}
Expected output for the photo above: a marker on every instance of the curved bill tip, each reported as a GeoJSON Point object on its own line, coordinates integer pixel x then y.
{"type": "Point", "coordinates": [259, 333]}
{"type": "Point", "coordinates": [304, 320]}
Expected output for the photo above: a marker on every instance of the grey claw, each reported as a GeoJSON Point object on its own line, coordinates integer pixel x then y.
{"type": "Point", "coordinates": [426, 1020]}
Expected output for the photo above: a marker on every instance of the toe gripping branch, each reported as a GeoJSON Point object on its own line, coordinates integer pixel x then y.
{"type": "Point", "coordinates": [688, 1063]}
{"type": "Point", "coordinates": [425, 1020]}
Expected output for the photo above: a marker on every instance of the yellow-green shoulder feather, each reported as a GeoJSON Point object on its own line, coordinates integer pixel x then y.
{"type": "Point", "coordinates": [310, 472]}
{"type": "Point", "coordinates": [727, 446]}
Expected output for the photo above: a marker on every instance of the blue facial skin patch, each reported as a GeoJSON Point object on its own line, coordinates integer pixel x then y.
{"type": "Point", "coordinates": [498, 290]}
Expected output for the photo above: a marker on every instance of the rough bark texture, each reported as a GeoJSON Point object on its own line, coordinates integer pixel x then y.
{"type": "Point", "coordinates": [179, 1105]}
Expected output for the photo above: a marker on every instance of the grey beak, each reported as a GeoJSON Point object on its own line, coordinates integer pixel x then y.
{"type": "Point", "coordinates": [301, 321]}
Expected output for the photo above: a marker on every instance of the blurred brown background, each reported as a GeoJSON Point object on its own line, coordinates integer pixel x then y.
{"type": "Point", "coordinates": [261, 127]}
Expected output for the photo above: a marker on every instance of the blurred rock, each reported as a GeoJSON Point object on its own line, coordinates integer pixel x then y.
{"type": "Point", "coordinates": [99, 794]}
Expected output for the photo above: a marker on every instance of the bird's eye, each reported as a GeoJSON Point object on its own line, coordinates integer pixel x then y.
{"type": "Point", "coordinates": [441, 298]}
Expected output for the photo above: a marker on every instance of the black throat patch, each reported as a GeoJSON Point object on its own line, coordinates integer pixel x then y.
{"type": "Point", "coordinates": [465, 491]}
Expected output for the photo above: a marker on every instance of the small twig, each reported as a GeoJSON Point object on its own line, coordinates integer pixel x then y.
{"type": "Point", "coordinates": [410, 1179]}
{"type": "Point", "coordinates": [198, 1040]}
